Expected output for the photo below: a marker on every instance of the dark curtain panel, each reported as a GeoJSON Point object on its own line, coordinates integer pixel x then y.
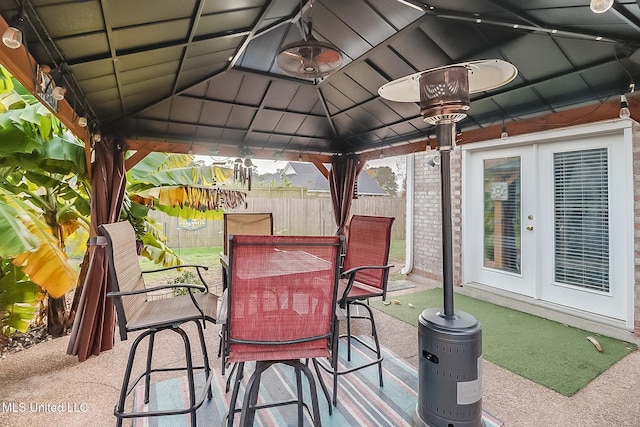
{"type": "Point", "coordinates": [94, 326]}
{"type": "Point", "coordinates": [343, 176]}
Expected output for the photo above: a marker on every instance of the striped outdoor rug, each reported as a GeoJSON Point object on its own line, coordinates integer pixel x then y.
{"type": "Point", "coordinates": [361, 402]}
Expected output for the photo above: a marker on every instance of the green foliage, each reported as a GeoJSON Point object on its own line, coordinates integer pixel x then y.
{"type": "Point", "coordinates": [187, 277]}
{"type": "Point", "coordinates": [385, 177]}
{"type": "Point", "coordinates": [18, 298]}
{"type": "Point", "coordinates": [16, 236]}
{"type": "Point", "coordinates": [279, 182]}
{"type": "Point", "coordinates": [42, 200]}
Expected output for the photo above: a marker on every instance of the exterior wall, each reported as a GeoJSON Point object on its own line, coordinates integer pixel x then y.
{"type": "Point", "coordinates": [427, 237]}
{"type": "Point", "coordinates": [636, 221]}
{"type": "Point", "coordinates": [427, 233]}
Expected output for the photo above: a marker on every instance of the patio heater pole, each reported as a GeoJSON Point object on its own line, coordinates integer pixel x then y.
{"type": "Point", "coordinates": [445, 134]}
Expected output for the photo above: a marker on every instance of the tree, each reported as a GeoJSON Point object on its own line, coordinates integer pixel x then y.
{"type": "Point", "coordinates": [385, 177]}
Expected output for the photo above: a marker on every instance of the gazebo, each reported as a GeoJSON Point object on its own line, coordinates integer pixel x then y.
{"type": "Point", "coordinates": [218, 78]}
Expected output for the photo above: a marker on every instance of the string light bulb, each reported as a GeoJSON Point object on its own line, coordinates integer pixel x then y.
{"type": "Point", "coordinates": [504, 135]}
{"type": "Point", "coordinates": [12, 37]}
{"type": "Point", "coordinates": [624, 108]}
{"type": "Point", "coordinates": [601, 6]}
{"type": "Point", "coordinates": [58, 93]}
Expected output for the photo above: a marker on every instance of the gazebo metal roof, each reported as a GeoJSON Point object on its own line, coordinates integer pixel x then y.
{"type": "Point", "coordinates": [201, 75]}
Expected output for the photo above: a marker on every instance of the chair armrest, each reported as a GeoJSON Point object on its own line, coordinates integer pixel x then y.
{"type": "Point", "coordinates": [204, 267]}
{"type": "Point", "coordinates": [354, 270]}
{"type": "Point", "coordinates": [351, 275]}
{"type": "Point", "coordinates": [157, 288]}
{"type": "Point", "coordinates": [196, 266]}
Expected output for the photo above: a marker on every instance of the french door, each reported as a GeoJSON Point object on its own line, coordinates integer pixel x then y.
{"type": "Point", "coordinates": [502, 192]}
{"type": "Point", "coordinates": [553, 221]}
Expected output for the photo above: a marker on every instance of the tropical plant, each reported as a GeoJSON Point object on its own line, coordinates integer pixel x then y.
{"type": "Point", "coordinates": [40, 188]}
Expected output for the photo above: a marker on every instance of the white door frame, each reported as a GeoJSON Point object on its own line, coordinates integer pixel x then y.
{"type": "Point", "coordinates": [623, 214]}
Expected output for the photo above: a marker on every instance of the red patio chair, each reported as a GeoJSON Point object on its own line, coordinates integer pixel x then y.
{"type": "Point", "coordinates": [365, 272]}
{"type": "Point", "coordinates": [281, 308]}
{"type": "Point", "coordinates": [237, 223]}
{"type": "Point", "coordinates": [136, 312]}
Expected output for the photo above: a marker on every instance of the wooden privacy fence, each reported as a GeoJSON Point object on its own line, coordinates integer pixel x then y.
{"type": "Point", "coordinates": [290, 217]}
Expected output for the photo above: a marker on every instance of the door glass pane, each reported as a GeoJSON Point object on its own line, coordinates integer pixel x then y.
{"type": "Point", "coordinates": [502, 214]}
{"type": "Point", "coordinates": [582, 219]}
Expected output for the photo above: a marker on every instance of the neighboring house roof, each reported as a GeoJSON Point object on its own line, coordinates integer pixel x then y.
{"type": "Point", "coordinates": [301, 174]}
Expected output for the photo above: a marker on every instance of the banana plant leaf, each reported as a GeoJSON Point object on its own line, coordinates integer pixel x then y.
{"type": "Point", "coordinates": [158, 252]}
{"type": "Point", "coordinates": [46, 264]}
{"type": "Point", "coordinates": [18, 299]}
{"type": "Point", "coordinates": [16, 237]}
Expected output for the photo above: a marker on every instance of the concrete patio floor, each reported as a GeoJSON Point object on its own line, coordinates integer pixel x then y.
{"type": "Point", "coordinates": [39, 381]}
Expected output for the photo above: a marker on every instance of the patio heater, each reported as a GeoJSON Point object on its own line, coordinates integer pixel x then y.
{"type": "Point", "coordinates": [449, 340]}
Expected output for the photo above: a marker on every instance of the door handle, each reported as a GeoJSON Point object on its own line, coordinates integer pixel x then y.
{"type": "Point", "coordinates": [530, 227]}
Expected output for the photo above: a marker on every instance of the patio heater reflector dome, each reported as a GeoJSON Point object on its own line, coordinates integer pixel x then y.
{"type": "Point", "coordinates": [309, 58]}
{"type": "Point", "coordinates": [444, 95]}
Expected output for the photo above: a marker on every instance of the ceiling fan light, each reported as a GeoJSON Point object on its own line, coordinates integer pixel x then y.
{"type": "Point", "coordinates": [601, 6]}
{"type": "Point", "coordinates": [12, 38]}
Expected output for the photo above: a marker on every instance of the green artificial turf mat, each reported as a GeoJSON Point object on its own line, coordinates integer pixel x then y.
{"type": "Point", "coordinates": [549, 353]}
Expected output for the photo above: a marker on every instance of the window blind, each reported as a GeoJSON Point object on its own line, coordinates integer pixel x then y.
{"type": "Point", "coordinates": [581, 200]}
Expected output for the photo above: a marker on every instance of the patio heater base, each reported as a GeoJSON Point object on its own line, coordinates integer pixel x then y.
{"type": "Point", "coordinates": [449, 370]}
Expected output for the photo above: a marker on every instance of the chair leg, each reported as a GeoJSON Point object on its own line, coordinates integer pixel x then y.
{"type": "Point", "coordinates": [323, 385]}
{"type": "Point", "coordinates": [228, 386]}
{"type": "Point", "coordinates": [234, 395]}
{"type": "Point", "coordinates": [374, 333]}
{"type": "Point", "coordinates": [205, 357]}
{"type": "Point", "coordinates": [334, 365]}
{"type": "Point", "coordinates": [190, 381]}
{"type": "Point", "coordinates": [119, 409]}
{"type": "Point", "coordinates": [314, 393]}
{"type": "Point", "coordinates": [333, 369]}
{"type": "Point", "coordinates": [147, 377]}
{"type": "Point", "coordinates": [349, 332]}
{"type": "Point", "coordinates": [300, 397]}
{"type": "Point", "coordinates": [248, 412]}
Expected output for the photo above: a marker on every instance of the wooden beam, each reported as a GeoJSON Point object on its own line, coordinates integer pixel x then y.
{"type": "Point", "coordinates": [212, 149]}
{"type": "Point", "coordinates": [135, 158]}
{"type": "Point", "coordinates": [319, 162]}
{"type": "Point", "coordinates": [576, 116]}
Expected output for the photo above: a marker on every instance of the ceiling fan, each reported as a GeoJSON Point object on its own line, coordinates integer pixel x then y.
{"type": "Point", "coordinates": [309, 58]}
